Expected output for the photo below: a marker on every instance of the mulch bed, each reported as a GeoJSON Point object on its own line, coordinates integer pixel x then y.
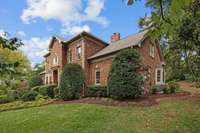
{"type": "Point", "coordinates": [143, 102]}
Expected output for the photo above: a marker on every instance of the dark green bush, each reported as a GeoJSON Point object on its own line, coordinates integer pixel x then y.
{"type": "Point", "coordinates": [36, 88]}
{"type": "Point", "coordinates": [13, 94]}
{"type": "Point", "coordinates": [29, 95]}
{"type": "Point", "coordinates": [47, 90]}
{"type": "Point", "coordinates": [165, 89]}
{"type": "Point", "coordinates": [71, 83]}
{"type": "Point", "coordinates": [97, 91]}
{"type": "Point", "coordinates": [56, 92]}
{"type": "Point", "coordinates": [160, 89]}
{"type": "Point", "coordinates": [197, 84]}
{"type": "Point", "coordinates": [41, 97]}
{"type": "Point", "coordinates": [125, 81]}
{"type": "Point", "coordinates": [4, 99]}
{"type": "Point", "coordinates": [35, 80]}
{"type": "Point", "coordinates": [173, 87]}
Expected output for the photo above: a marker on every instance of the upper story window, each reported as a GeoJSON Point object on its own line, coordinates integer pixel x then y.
{"type": "Point", "coordinates": [152, 51]}
{"type": "Point", "coordinates": [55, 60]}
{"type": "Point", "coordinates": [69, 56]}
{"type": "Point", "coordinates": [97, 76]}
{"type": "Point", "coordinates": [78, 52]}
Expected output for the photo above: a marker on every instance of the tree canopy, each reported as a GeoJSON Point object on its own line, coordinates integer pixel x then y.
{"type": "Point", "coordinates": [176, 23]}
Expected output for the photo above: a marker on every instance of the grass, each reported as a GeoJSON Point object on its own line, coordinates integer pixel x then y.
{"type": "Point", "coordinates": [170, 116]}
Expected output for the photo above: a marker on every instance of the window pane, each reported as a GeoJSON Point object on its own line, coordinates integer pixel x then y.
{"type": "Point", "coordinates": [97, 77]}
{"type": "Point", "coordinates": [158, 75]}
{"type": "Point", "coordinates": [78, 52]}
{"type": "Point", "coordinates": [69, 55]}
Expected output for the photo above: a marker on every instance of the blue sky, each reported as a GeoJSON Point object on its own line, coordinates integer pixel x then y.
{"type": "Point", "coordinates": [35, 21]}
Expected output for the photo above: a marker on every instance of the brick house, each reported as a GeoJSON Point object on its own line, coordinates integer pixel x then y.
{"type": "Point", "coordinates": [95, 56]}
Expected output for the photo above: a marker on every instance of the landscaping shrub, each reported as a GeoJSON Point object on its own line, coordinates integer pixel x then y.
{"type": "Point", "coordinates": [41, 97]}
{"type": "Point", "coordinates": [4, 99]}
{"type": "Point", "coordinates": [166, 89]}
{"type": "Point", "coordinates": [47, 90]}
{"type": "Point", "coordinates": [36, 88]}
{"type": "Point", "coordinates": [197, 84]}
{"type": "Point", "coordinates": [160, 89]}
{"type": "Point", "coordinates": [71, 83]}
{"type": "Point", "coordinates": [29, 95]}
{"type": "Point", "coordinates": [13, 94]}
{"type": "Point", "coordinates": [56, 92]}
{"type": "Point", "coordinates": [173, 87]}
{"type": "Point", "coordinates": [125, 81]}
{"type": "Point", "coordinates": [97, 91]}
{"type": "Point", "coordinates": [35, 80]}
{"type": "Point", "coordinates": [22, 105]}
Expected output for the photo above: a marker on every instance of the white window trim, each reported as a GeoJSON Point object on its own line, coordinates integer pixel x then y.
{"type": "Point", "coordinates": [97, 70]}
{"type": "Point", "coordinates": [161, 76]}
{"type": "Point", "coordinates": [152, 50]}
{"type": "Point", "coordinates": [69, 56]}
{"type": "Point", "coordinates": [55, 60]}
{"type": "Point", "coordinates": [77, 52]}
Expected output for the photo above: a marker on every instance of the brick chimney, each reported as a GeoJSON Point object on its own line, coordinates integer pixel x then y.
{"type": "Point", "coordinates": [115, 37]}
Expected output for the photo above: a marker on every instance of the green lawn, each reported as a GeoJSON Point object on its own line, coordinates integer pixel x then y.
{"type": "Point", "coordinates": [177, 116]}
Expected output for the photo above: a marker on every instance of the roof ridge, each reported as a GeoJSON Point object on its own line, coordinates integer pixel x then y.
{"type": "Point", "coordinates": [131, 35]}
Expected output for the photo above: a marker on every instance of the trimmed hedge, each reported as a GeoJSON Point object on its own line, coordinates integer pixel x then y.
{"type": "Point", "coordinates": [170, 87]}
{"type": "Point", "coordinates": [13, 95]}
{"type": "Point", "coordinates": [125, 80]}
{"type": "Point", "coordinates": [97, 91]}
{"type": "Point", "coordinates": [71, 83]}
{"type": "Point", "coordinates": [45, 90]}
{"type": "Point", "coordinates": [4, 99]}
{"type": "Point", "coordinates": [160, 89]}
{"type": "Point", "coordinates": [29, 96]}
{"type": "Point", "coordinates": [173, 87]}
{"type": "Point", "coordinates": [56, 92]}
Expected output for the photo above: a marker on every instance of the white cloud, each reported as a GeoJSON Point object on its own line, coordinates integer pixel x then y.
{"type": "Point", "coordinates": [93, 11]}
{"type": "Point", "coordinates": [70, 12]}
{"type": "Point", "coordinates": [35, 48]}
{"type": "Point", "coordinates": [74, 30]}
{"type": "Point", "coordinates": [21, 34]}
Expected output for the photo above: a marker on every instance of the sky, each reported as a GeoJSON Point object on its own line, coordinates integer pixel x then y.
{"type": "Point", "coordinates": [36, 21]}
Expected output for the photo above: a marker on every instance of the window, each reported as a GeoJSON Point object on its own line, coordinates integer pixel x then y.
{"type": "Point", "coordinates": [160, 79]}
{"type": "Point", "coordinates": [152, 51]}
{"type": "Point", "coordinates": [97, 77]}
{"type": "Point", "coordinates": [78, 50]}
{"type": "Point", "coordinates": [69, 57]}
{"type": "Point", "coordinates": [158, 76]}
{"type": "Point", "coordinates": [55, 60]}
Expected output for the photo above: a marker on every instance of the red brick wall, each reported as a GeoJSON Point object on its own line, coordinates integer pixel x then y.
{"type": "Point", "coordinates": [150, 62]}
{"type": "Point", "coordinates": [73, 48]}
{"type": "Point", "coordinates": [55, 50]}
{"type": "Point", "coordinates": [104, 67]}
{"type": "Point", "coordinates": [88, 47]}
{"type": "Point", "coordinates": [91, 47]}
